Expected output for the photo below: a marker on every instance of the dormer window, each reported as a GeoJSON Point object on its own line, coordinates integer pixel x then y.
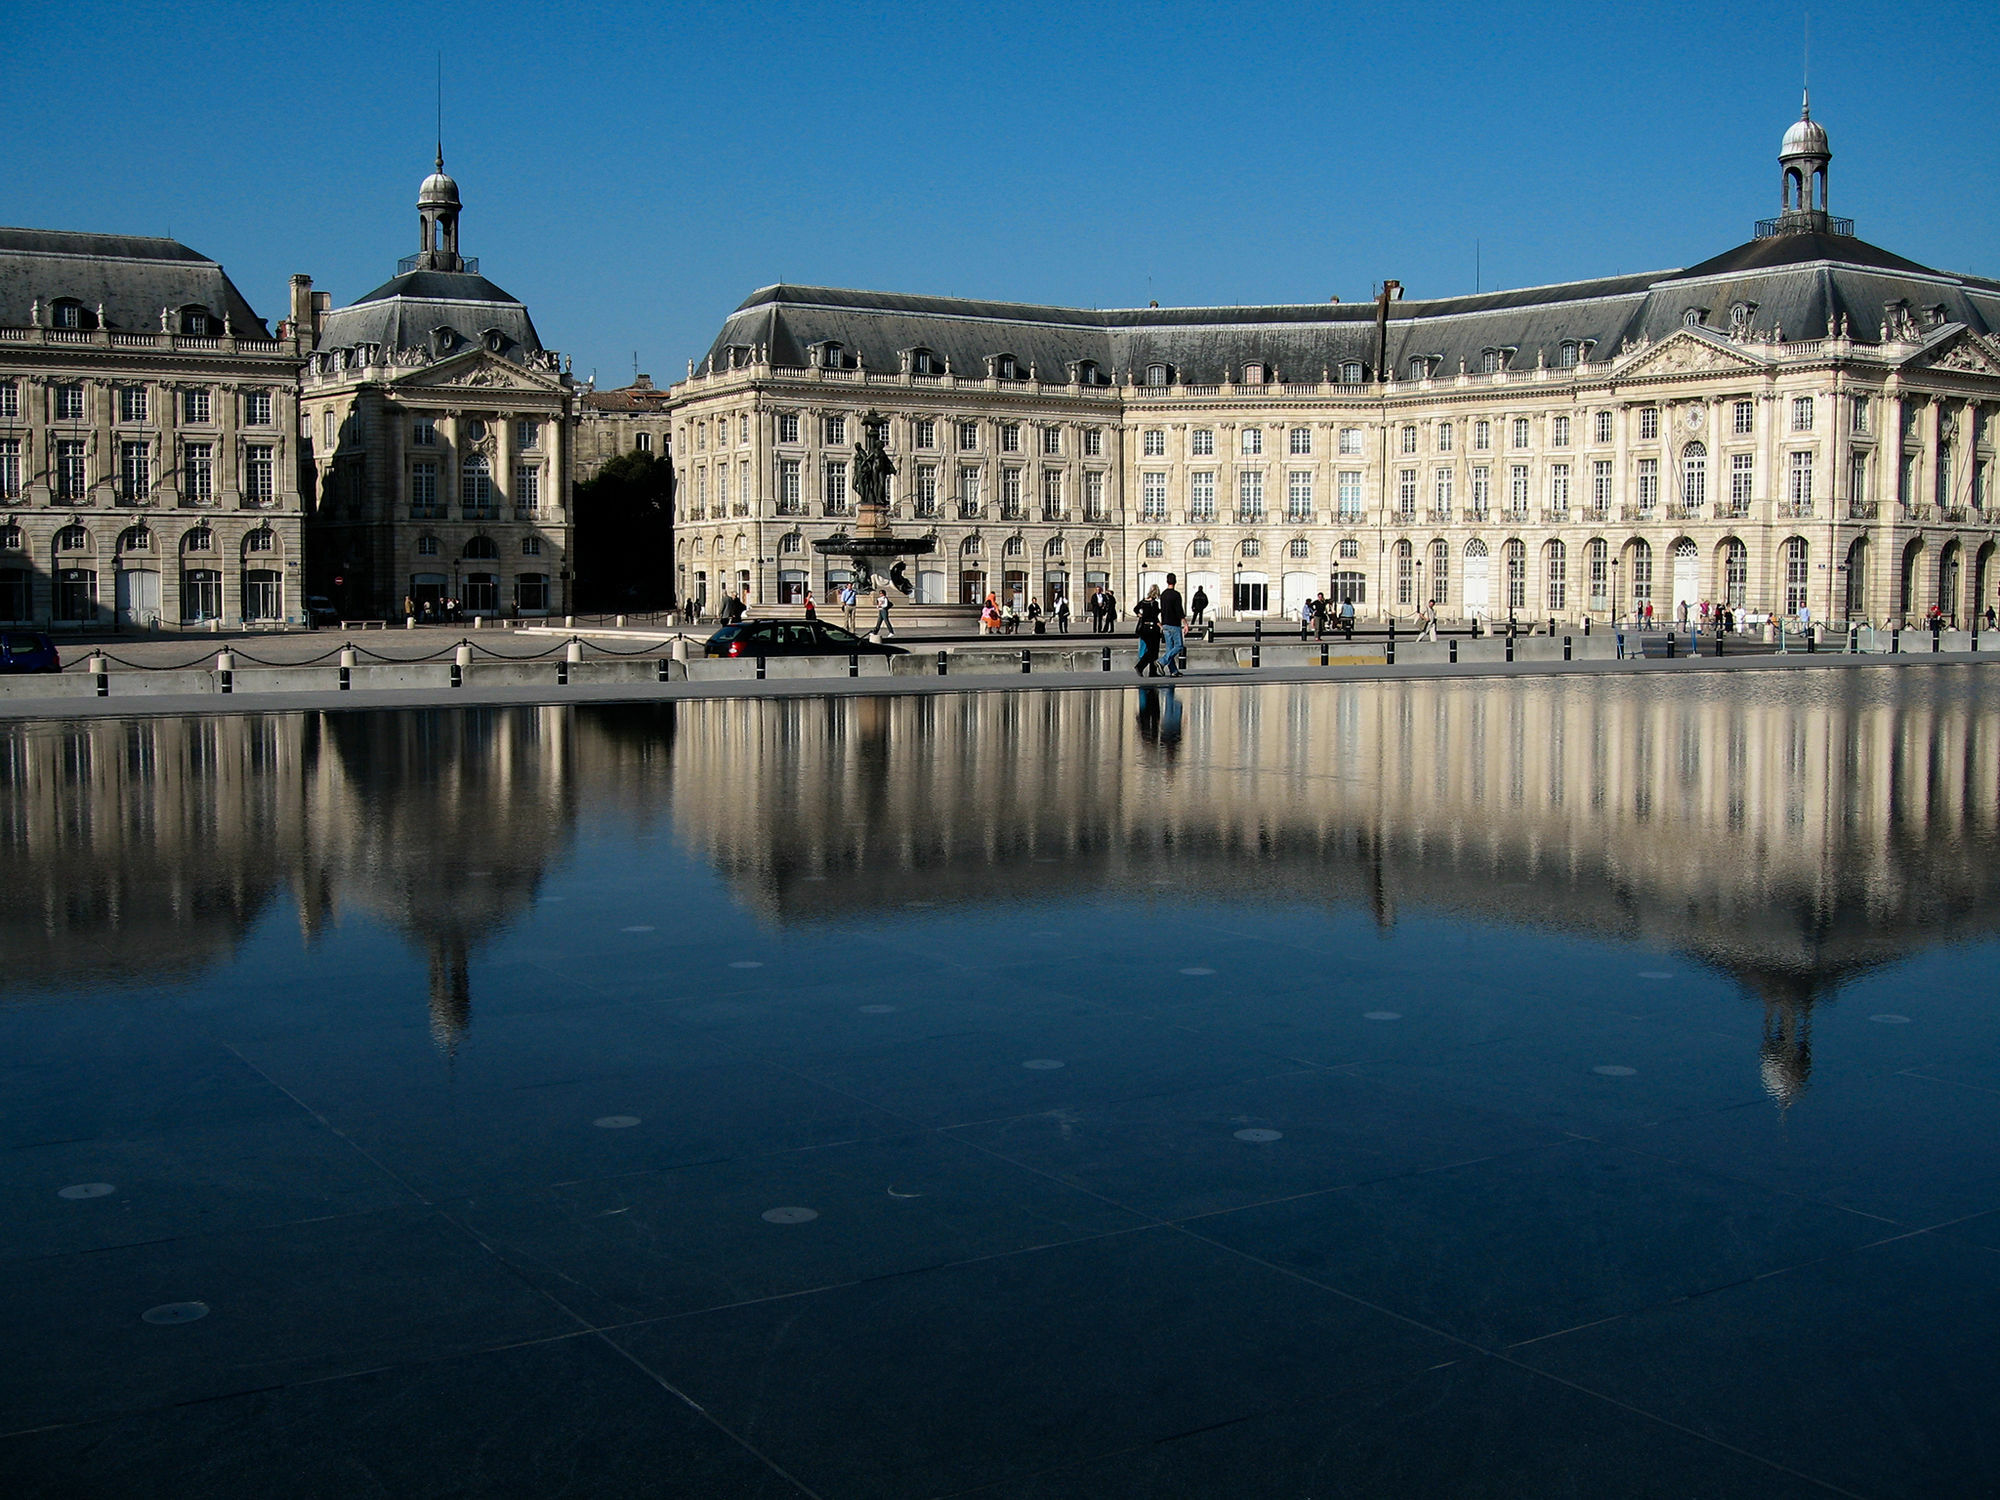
{"type": "Point", "coordinates": [1934, 317]}
{"type": "Point", "coordinates": [196, 323]}
{"type": "Point", "coordinates": [832, 357]}
{"type": "Point", "coordinates": [1005, 367]}
{"type": "Point", "coordinates": [1156, 375]}
{"type": "Point", "coordinates": [1566, 355]}
{"type": "Point", "coordinates": [1087, 373]}
{"type": "Point", "coordinates": [1694, 317]}
{"type": "Point", "coordinates": [1253, 374]}
{"type": "Point", "coordinates": [442, 340]}
{"type": "Point", "coordinates": [494, 339]}
{"type": "Point", "coordinates": [70, 313]}
{"type": "Point", "coordinates": [1351, 373]}
{"type": "Point", "coordinates": [1740, 314]}
{"type": "Point", "coordinates": [924, 362]}
{"type": "Point", "coordinates": [1491, 362]}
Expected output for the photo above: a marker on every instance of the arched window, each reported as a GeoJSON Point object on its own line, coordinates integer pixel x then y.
{"type": "Point", "coordinates": [1094, 547]}
{"type": "Point", "coordinates": [1155, 547]}
{"type": "Point", "coordinates": [72, 538]}
{"type": "Point", "coordinates": [1642, 574]}
{"type": "Point", "coordinates": [1597, 558]}
{"type": "Point", "coordinates": [67, 312]}
{"type": "Point", "coordinates": [1156, 374]}
{"type": "Point", "coordinates": [427, 546]}
{"type": "Point", "coordinates": [263, 539]}
{"type": "Point", "coordinates": [1351, 373]}
{"type": "Point", "coordinates": [1556, 560]}
{"type": "Point", "coordinates": [1440, 588]}
{"type": "Point", "coordinates": [136, 539]}
{"type": "Point", "coordinates": [1516, 554]}
{"type": "Point", "coordinates": [1251, 548]}
{"type": "Point", "coordinates": [531, 546]}
{"type": "Point", "coordinates": [1055, 547]}
{"type": "Point", "coordinates": [1300, 547]}
{"type": "Point", "coordinates": [1566, 355]}
{"type": "Point", "coordinates": [970, 547]}
{"type": "Point", "coordinates": [201, 539]}
{"type": "Point", "coordinates": [1796, 558]}
{"type": "Point", "coordinates": [1694, 475]}
{"type": "Point", "coordinates": [1490, 361]}
{"type": "Point", "coordinates": [1406, 572]}
{"type": "Point", "coordinates": [481, 548]}
{"type": "Point", "coordinates": [791, 543]}
{"type": "Point", "coordinates": [1013, 547]}
{"type": "Point", "coordinates": [196, 322]}
{"type": "Point", "coordinates": [1735, 573]}
{"type": "Point", "coordinates": [476, 484]}
{"type": "Point", "coordinates": [12, 540]}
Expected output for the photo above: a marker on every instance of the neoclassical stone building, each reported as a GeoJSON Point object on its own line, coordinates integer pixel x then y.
{"type": "Point", "coordinates": [630, 419]}
{"type": "Point", "coordinates": [1803, 422]}
{"type": "Point", "coordinates": [439, 432]}
{"type": "Point", "coordinates": [148, 439]}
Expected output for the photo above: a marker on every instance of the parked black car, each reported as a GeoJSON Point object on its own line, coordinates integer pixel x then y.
{"type": "Point", "coordinates": [28, 651]}
{"type": "Point", "coordinates": [320, 610]}
{"type": "Point", "coordinates": [793, 638]}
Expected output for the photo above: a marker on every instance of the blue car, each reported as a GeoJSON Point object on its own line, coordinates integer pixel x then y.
{"type": "Point", "coordinates": [28, 651]}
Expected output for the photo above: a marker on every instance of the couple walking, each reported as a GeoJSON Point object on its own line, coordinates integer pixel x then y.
{"type": "Point", "coordinates": [1162, 631]}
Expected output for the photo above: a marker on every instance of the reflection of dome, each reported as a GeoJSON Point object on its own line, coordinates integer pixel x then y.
{"type": "Point", "coordinates": [1807, 137]}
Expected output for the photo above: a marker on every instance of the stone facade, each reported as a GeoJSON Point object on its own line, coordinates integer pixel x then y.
{"type": "Point", "coordinates": [148, 440]}
{"type": "Point", "coordinates": [1802, 424]}
{"type": "Point", "coordinates": [440, 436]}
{"type": "Point", "coordinates": [631, 419]}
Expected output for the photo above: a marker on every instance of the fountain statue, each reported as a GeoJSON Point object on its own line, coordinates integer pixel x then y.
{"type": "Point", "coordinates": [873, 542]}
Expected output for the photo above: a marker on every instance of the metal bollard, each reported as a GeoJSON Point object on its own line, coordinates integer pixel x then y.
{"type": "Point", "coordinates": [1107, 658]}
{"type": "Point", "coordinates": [225, 665]}
{"type": "Point", "coordinates": [1322, 653]}
{"type": "Point", "coordinates": [347, 660]}
{"type": "Point", "coordinates": [1718, 641]}
{"type": "Point", "coordinates": [1024, 661]}
{"type": "Point", "coordinates": [663, 668]}
{"type": "Point", "coordinates": [1454, 649]}
{"type": "Point", "coordinates": [1257, 629]}
{"type": "Point", "coordinates": [1257, 651]}
{"type": "Point", "coordinates": [1896, 640]}
{"type": "Point", "coordinates": [853, 664]}
{"type": "Point", "coordinates": [1812, 640]}
{"type": "Point", "coordinates": [942, 656]}
{"type": "Point", "coordinates": [760, 666]}
{"type": "Point", "coordinates": [99, 670]}
{"type": "Point", "coordinates": [1670, 645]}
{"type": "Point", "coordinates": [1510, 645]}
{"type": "Point", "coordinates": [1566, 652]}
{"type": "Point", "coordinates": [1389, 653]}
{"type": "Point", "coordinates": [1936, 637]}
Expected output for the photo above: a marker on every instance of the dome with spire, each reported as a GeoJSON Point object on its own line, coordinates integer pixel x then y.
{"type": "Point", "coordinates": [439, 191]}
{"type": "Point", "coordinates": [1807, 137]}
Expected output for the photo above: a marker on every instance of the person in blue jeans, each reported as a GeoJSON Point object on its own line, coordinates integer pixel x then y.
{"type": "Point", "coordinates": [1173, 625]}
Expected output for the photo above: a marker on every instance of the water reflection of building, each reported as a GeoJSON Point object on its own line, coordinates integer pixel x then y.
{"type": "Point", "coordinates": [144, 850]}
{"type": "Point", "coordinates": [1793, 837]}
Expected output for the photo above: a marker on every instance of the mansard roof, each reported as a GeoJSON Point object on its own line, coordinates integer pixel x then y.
{"type": "Point", "coordinates": [132, 276]}
{"type": "Point", "coordinates": [404, 312]}
{"type": "Point", "coordinates": [1800, 284]}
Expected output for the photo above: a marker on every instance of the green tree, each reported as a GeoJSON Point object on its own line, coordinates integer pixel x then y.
{"type": "Point", "coordinates": [623, 548]}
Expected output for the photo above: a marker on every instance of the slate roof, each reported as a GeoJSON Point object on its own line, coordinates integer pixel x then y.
{"type": "Point", "coordinates": [1797, 282]}
{"type": "Point", "coordinates": [133, 276]}
{"type": "Point", "coordinates": [402, 313]}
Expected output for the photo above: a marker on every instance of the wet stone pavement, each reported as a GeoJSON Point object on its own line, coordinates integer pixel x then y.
{"type": "Point", "coordinates": [1407, 1089]}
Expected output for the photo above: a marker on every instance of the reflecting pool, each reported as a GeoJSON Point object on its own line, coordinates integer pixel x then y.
{"type": "Point", "coordinates": [1553, 1086]}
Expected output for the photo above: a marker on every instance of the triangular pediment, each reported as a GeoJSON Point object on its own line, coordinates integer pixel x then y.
{"type": "Point", "coordinates": [1690, 351]}
{"type": "Point", "coordinates": [477, 369]}
{"type": "Point", "coordinates": [1959, 350]}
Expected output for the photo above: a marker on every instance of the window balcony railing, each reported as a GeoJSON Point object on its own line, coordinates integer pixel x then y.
{"type": "Point", "coordinates": [1862, 510]}
{"type": "Point", "coordinates": [1556, 516]}
{"type": "Point", "coordinates": [136, 497]}
{"type": "Point", "coordinates": [1731, 510]}
{"type": "Point", "coordinates": [740, 508]}
{"type": "Point", "coordinates": [1440, 515]}
{"type": "Point", "coordinates": [1052, 513]}
{"type": "Point", "coordinates": [421, 510]}
{"type": "Point", "coordinates": [1637, 513]}
{"type": "Point", "coordinates": [1152, 510]}
{"type": "Point", "coordinates": [1201, 512]}
{"type": "Point", "coordinates": [1013, 510]}
{"type": "Point", "coordinates": [197, 502]}
{"type": "Point", "coordinates": [1597, 513]}
{"type": "Point", "coordinates": [1250, 515]}
{"type": "Point", "coordinates": [1478, 513]}
{"type": "Point", "coordinates": [527, 513]}
{"type": "Point", "coordinates": [969, 510]}
{"type": "Point", "coordinates": [257, 502]}
{"type": "Point", "coordinates": [1957, 515]}
{"type": "Point", "coordinates": [791, 507]}
{"type": "Point", "coordinates": [481, 513]}
{"type": "Point", "coordinates": [1678, 510]}
{"type": "Point", "coordinates": [1096, 513]}
{"type": "Point", "coordinates": [835, 508]}
{"type": "Point", "coordinates": [927, 510]}
{"type": "Point", "coordinates": [1795, 510]}
{"type": "Point", "coordinates": [1299, 514]}
{"type": "Point", "coordinates": [1916, 512]}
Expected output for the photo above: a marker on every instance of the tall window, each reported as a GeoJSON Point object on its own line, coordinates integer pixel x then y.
{"type": "Point", "coordinates": [833, 487]}
{"type": "Point", "coordinates": [1250, 495]}
{"type": "Point", "coordinates": [1517, 489]}
{"type": "Point", "coordinates": [1642, 573]}
{"type": "Point", "coordinates": [1603, 426]}
{"type": "Point", "coordinates": [1440, 571]}
{"type": "Point", "coordinates": [1516, 553]}
{"type": "Point", "coordinates": [1649, 424]}
{"type": "Point", "coordinates": [527, 433]}
{"type": "Point", "coordinates": [1253, 441]}
{"type": "Point", "coordinates": [1201, 443]}
{"type": "Point", "coordinates": [1444, 437]}
{"type": "Point", "coordinates": [1349, 496]}
{"type": "Point", "coordinates": [1201, 495]}
{"type": "Point", "coordinates": [528, 487]}
{"type": "Point", "coordinates": [1597, 558]}
{"type": "Point", "coordinates": [1600, 485]}
{"type": "Point", "coordinates": [475, 485]}
{"type": "Point", "coordinates": [257, 409]}
{"type": "Point", "coordinates": [1742, 477]}
{"type": "Point", "coordinates": [1302, 441]}
{"type": "Point", "coordinates": [1406, 493]}
{"type": "Point", "coordinates": [1559, 489]}
{"type": "Point", "coordinates": [132, 403]}
{"type": "Point", "coordinates": [69, 403]}
{"type": "Point", "coordinates": [721, 482]}
{"type": "Point", "coordinates": [195, 407]}
{"type": "Point", "coordinates": [1482, 435]}
{"type": "Point", "coordinates": [926, 432]}
{"type": "Point", "coordinates": [1857, 480]}
{"type": "Point", "coordinates": [1795, 575]}
{"type": "Point", "coordinates": [1441, 493]}
{"type": "Point", "coordinates": [1093, 442]}
{"type": "Point", "coordinates": [72, 469]}
{"type": "Point", "coordinates": [1299, 495]}
{"type": "Point", "coordinates": [927, 491]}
{"type": "Point", "coordinates": [135, 471]}
{"type": "Point", "coordinates": [423, 432]}
{"type": "Point", "coordinates": [1745, 418]}
{"type": "Point", "coordinates": [1405, 573]}
{"type": "Point", "coordinates": [10, 468]}
{"type": "Point", "coordinates": [788, 427]}
{"type": "Point", "coordinates": [1649, 483]}
{"type": "Point", "coordinates": [1520, 432]}
{"type": "Point", "coordinates": [1350, 441]}
{"type": "Point", "coordinates": [1799, 482]}
{"type": "Point", "coordinates": [1010, 437]}
{"type": "Point", "coordinates": [1052, 440]}
{"type": "Point", "coordinates": [1802, 413]}
{"type": "Point", "coordinates": [1052, 494]}
{"type": "Point", "coordinates": [1409, 440]}
{"type": "Point", "coordinates": [1153, 443]}
{"type": "Point", "coordinates": [258, 473]}
{"type": "Point", "coordinates": [1559, 432]}
{"type": "Point", "coordinates": [833, 431]}
{"type": "Point", "coordinates": [1153, 497]}
{"type": "Point", "coordinates": [198, 472]}
{"type": "Point", "coordinates": [1860, 413]}
{"type": "Point", "coordinates": [424, 490]}
{"type": "Point", "coordinates": [968, 492]}
{"type": "Point", "coordinates": [1482, 489]}
{"type": "Point", "coordinates": [1093, 495]}
{"type": "Point", "coordinates": [1010, 494]}
{"type": "Point", "coordinates": [1694, 475]}
{"type": "Point", "coordinates": [1558, 566]}
{"type": "Point", "coordinates": [968, 437]}
{"type": "Point", "coordinates": [1735, 573]}
{"type": "Point", "coordinates": [791, 488]}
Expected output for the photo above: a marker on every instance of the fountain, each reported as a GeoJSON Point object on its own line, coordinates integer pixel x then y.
{"type": "Point", "coordinates": [872, 541]}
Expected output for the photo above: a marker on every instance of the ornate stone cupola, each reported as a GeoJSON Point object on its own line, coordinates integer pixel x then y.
{"type": "Point", "coordinates": [438, 209]}
{"type": "Point", "coordinates": [1803, 160]}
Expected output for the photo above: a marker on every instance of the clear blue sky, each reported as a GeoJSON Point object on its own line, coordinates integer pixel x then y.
{"type": "Point", "coordinates": [633, 171]}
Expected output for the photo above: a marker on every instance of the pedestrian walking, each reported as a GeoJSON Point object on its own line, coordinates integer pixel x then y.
{"type": "Point", "coordinates": [847, 603]}
{"type": "Point", "coordinates": [1173, 623]}
{"type": "Point", "coordinates": [1147, 613]}
{"type": "Point", "coordinates": [1198, 605]}
{"type": "Point", "coordinates": [882, 602]}
{"type": "Point", "coordinates": [1347, 618]}
{"type": "Point", "coordinates": [1062, 614]}
{"type": "Point", "coordinates": [1430, 617]}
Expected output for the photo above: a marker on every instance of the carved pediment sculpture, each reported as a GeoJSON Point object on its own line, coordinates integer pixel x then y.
{"type": "Point", "coordinates": [1685, 354]}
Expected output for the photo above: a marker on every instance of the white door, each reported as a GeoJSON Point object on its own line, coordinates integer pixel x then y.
{"type": "Point", "coordinates": [1148, 581]}
{"type": "Point", "coordinates": [1478, 601]}
{"type": "Point", "coordinates": [1687, 578]}
{"type": "Point", "coordinates": [1298, 589]}
{"type": "Point", "coordinates": [930, 588]}
{"type": "Point", "coordinates": [138, 598]}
